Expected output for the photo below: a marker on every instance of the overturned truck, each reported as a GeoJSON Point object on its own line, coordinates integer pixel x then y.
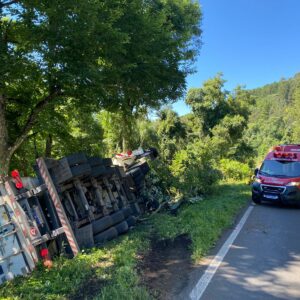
{"type": "Point", "coordinates": [75, 202]}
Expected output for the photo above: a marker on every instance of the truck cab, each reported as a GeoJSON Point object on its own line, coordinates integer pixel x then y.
{"type": "Point", "coordinates": [278, 178]}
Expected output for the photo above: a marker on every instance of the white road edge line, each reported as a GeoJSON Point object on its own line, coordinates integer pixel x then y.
{"type": "Point", "coordinates": [209, 273]}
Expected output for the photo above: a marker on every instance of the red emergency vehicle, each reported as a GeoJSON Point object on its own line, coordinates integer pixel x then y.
{"type": "Point", "coordinates": [278, 178]}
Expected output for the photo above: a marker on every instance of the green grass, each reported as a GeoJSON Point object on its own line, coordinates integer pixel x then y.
{"type": "Point", "coordinates": [112, 269]}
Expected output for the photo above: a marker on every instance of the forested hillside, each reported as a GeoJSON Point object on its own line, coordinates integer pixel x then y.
{"type": "Point", "coordinates": [275, 116]}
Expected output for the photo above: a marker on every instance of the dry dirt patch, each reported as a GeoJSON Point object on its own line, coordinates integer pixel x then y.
{"type": "Point", "coordinates": [165, 269]}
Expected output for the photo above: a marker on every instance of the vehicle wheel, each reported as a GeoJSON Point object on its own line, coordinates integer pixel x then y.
{"type": "Point", "coordinates": [102, 224]}
{"type": "Point", "coordinates": [95, 161]}
{"type": "Point", "coordinates": [106, 235]}
{"type": "Point", "coordinates": [154, 151]}
{"type": "Point", "coordinates": [76, 159]}
{"type": "Point", "coordinates": [127, 212]}
{"type": "Point", "coordinates": [122, 227]}
{"type": "Point", "coordinates": [152, 205]}
{"type": "Point", "coordinates": [97, 171]}
{"type": "Point", "coordinates": [131, 221]}
{"type": "Point", "coordinates": [139, 181]}
{"type": "Point", "coordinates": [107, 162]}
{"type": "Point", "coordinates": [145, 168]}
{"type": "Point", "coordinates": [136, 173]}
{"type": "Point", "coordinates": [117, 217]}
{"type": "Point", "coordinates": [256, 199]}
{"type": "Point", "coordinates": [135, 209]}
{"type": "Point", "coordinates": [81, 170]}
{"type": "Point", "coordinates": [109, 171]}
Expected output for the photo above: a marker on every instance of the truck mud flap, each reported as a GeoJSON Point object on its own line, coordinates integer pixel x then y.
{"type": "Point", "coordinates": [84, 236]}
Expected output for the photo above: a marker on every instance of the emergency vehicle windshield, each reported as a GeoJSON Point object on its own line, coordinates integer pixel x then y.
{"type": "Point", "coordinates": [277, 168]}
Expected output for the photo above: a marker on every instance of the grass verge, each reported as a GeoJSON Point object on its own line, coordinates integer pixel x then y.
{"type": "Point", "coordinates": [110, 272]}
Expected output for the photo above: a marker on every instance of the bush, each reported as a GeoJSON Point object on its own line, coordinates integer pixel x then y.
{"type": "Point", "coordinates": [232, 169]}
{"type": "Point", "coordinates": [193, 170]}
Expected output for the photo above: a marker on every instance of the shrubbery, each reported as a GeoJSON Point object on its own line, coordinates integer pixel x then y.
{"type": "Point", "coordinates": [193, 170]}
{"type": "Point", "coordinates": [233, 169]}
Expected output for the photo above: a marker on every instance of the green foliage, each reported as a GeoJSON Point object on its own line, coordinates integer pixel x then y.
{"type": "Point", "coordinates": [193, 170]}
{"type": "Point", "coordinates": [120, 56]}
{"type": "Point", "coordinates": [274, 119]}
{"type": "Point", "coordinates": [171, 133]}
{"type": "Point", "coordinates": [209, 103]}
{"type": "Point", "coordinates": [232, 169]}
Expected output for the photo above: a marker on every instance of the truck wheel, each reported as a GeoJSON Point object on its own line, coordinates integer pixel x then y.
{"type": "Point", "coordinates": [81, 170]}
{"type": "Point", "coordinates": [256, 199]}
{"type": "Point", "coordinates": [102, 224]}
{"type": "Point", "coordinates": [145, 168]}
{"type": "Point", "coordinates": [76, 159]}
{"type": "Point", "coordinates": [135, 209]}
{"type": "Point", "coordinates": [127, 212]}
{"type": "Point", "coordinates": [106, 235]}
{"type": "Point", "coordinates": [122, 227]}
{"type": "Point", "coordinates": [131, 221]}
{"type": "Point", "coordinates": [97, 171]}
{"type": "Point", "coordinates": [136, 173]}
{"type": "Point", "coordinates": [107, 162]}
{"type": "Point", "coordinates": [95, 161]}
{"type": "Point", "coordinates": [117, 217]}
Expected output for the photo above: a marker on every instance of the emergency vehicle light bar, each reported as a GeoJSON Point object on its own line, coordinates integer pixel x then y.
{"type": "Point", "coordinates": [286, 155]}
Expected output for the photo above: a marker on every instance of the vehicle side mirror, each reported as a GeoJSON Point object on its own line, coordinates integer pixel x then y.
{"type": "Point", "coordinates": [256, 171]}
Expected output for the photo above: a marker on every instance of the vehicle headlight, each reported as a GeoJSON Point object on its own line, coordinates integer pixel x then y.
{"type": "Point", "coordinates": [294, 183]}
{"type": "Point", "coordinates": [256, 179]}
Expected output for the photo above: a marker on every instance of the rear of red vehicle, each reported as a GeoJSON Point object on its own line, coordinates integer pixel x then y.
{"type": "Point", "coordinates": [278, 179]}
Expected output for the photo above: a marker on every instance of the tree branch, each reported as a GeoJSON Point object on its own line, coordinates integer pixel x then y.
{"type": "Point", "coordinates": [31, 121]}
{"type": "Point", "coordinates": [3, 4]}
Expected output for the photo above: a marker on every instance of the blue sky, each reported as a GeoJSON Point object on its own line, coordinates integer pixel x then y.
{"type": "Point", "coordinates": [252, 42]}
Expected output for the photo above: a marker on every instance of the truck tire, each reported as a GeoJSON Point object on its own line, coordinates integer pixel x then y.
{"type": "Point", "coordinates": [131, 221]}
{"type": "Point", "coordinates": [122, 227]}
{"type": "Point", "coordinates": [95, 161]}
{"type": "Point", "coordinates": [81, 170]}
{"type": "Point", "coordinates": [108, 171]}
{"type": "Point", "coordinates": [102, 224]}
{"type": "Point", "coordinates": [136, 173]}
{"type": "Point", "coordinates": [76, 159]}
{"type": "Point", "coordinates": [107, 162]}
{"type": "Point", "coordinates": [154, 152]}
{"type": "Point", "coordinates": [117, 217]}
{"type": "Point", "coordinates": [256, 199]}
{"type": "Point", "coordinates": [135, 209]}
{"type": "Point", "coordinates": [139, 180]}
{"type": "Point", "coordinates": [97, 171]}
{"type": "Point", "coordinates": [106, 235]}
{"type": "Point", "coordinates": [127, 211]}
{"type": "Point", "coordinates": [145, 168]}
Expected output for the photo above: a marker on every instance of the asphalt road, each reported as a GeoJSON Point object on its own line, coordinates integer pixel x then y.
{"type": "Point", "coordinates": [264, 260]}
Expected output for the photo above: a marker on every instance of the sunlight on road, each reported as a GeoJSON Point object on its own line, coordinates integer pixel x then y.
{"type": "Point", "coordinates": [280, 282]}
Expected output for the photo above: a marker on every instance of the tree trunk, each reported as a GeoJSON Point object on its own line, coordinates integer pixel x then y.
{"type": "Point", "coordinates": [7, 150]}
{"type": "Point", "coordinates": [4, 147]}
{"type": "Point", "coordinates": [48, 148]}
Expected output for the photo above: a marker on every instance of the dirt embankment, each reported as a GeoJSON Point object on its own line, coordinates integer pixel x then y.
{"type": "Point", "coordinates": [164, 270]}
